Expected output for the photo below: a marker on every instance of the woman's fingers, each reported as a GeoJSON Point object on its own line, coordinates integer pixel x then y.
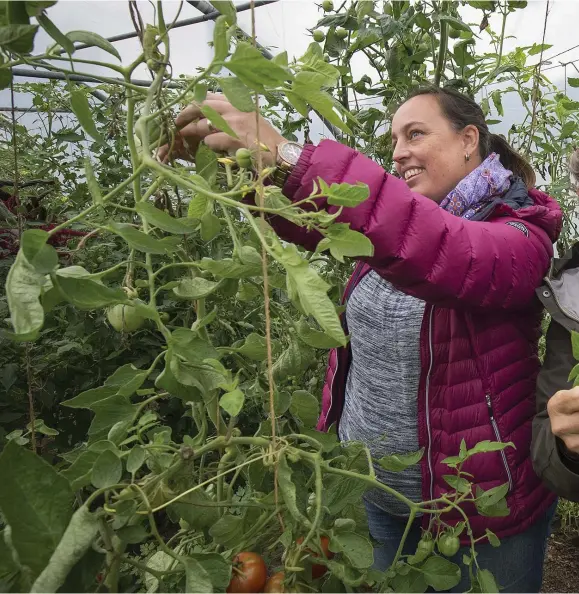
{"type": "Point", "coordinates": [222, 143]}
{"type": "Point", "coordinates": [216, 97]}
{"type": "Point", "coordinates": [193, 112]}
{"type": "Point", "coordinates": [563, 409]}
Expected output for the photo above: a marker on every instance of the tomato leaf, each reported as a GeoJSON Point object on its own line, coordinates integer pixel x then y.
{"type": "Point", "coordinates": [228, 268]}
{"type": "Point", "coordinates": [254, 347]}
{"type": "Point", "coordinates": [232, 402]}
{"type": "Point", "coordinates": [56, 33]}
{"type": "Point", "coordinates": [107, 470]}
{"type": "Point", "coordinates": [305, 407]}
{"type": "Point", "coordinates": [36, 502]}
{"type": "Point", "coordinates": [440, 573]}
{"type": "Point", "coordinates": [91, 182]}
{"type": "Point", "coordinates": [314, 338]}
{"type": "Point", "coordinates": [399, 462]}
{"type": "Point", "coordinates": [206, 572]}
{"type": "Point", "coordinates": [254, 70]}
{"type": "Point", "coordinates": [195, 288]}
{"type": "Point", "coordinates": [81, 108]}
{"type": "Point", "coordinates": [25, 281]}
{"type": "Point", "coordinates": [355, 547]}
{"type": "Point", "coordinates": [162, 220]}
{"type": "Point", "coordinates": [307, 288]}
{"type": "Point", "coordinates": [144, 242]}
{"type": "Point", "coordinates": [93, 39]}
{"type": "Point", "coordinates": [343, 241]}
{"type": "Point", "coordinates": [136, 459]}
{"type": "Point", "coordinates": [227, 9]}
{"type": "Point", "coordinates": [237, 93]}
{"type": "Point", "coordinates": [217, 120]}
{"type": "Point", "coordinates": [486, 581]}
{"type": "Point", "coordinates": [18, 38]}
{"type": "Point", "coordinates": [77, 538]}
{"type": "Point", "coordinates": [344, 194]}
{"type": "Point", "coordinates": [86, 293]}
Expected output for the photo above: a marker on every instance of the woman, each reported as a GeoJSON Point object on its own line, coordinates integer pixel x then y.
{"type": "Point", "coordinates": [443, 318]}
{"type": "Point", "coordinates": [555, 446]}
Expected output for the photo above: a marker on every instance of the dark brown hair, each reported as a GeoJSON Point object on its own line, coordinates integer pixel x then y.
{"type": "Point", "coordinates": [462, 111]}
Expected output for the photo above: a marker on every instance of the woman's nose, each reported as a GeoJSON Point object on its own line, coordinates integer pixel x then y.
{"type": "Point", "coordinates": [401, 152]}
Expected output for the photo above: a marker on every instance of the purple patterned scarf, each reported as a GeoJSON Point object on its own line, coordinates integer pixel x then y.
{"type": "Point", "coordinates": [489, 180]}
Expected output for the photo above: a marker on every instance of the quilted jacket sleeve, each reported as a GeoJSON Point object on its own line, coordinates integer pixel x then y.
{"type": "Point", "coordinates": [422, 249]}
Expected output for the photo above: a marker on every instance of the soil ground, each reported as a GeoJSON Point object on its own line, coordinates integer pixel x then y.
{"type": "Point", "coordinates": [562, 563]}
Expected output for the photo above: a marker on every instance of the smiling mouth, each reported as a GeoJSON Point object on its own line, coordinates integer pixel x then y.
{"type": "Point", "coordinates": [412, 173]}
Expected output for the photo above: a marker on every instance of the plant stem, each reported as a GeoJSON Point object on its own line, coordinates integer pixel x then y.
{"type": "Point", "coordinates": [441, 50]}
{"type": "Point", "coordinates": [505, 13]}
{"type": "Point", "coordinates": [94, 207]}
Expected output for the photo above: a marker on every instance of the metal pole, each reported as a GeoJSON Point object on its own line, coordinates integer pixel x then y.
{"type": "Point", "coordinates": [82, 78]}
{"type": "Point", "coordinates": [209, 16]}
{"type": "Point", "coordinates": [205, 7]}
{"type": "Point", "coordinates": [36, 110]}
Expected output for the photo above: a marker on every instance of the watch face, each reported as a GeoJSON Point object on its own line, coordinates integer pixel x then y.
{"type": "Point", "coordinates": [290, 152]}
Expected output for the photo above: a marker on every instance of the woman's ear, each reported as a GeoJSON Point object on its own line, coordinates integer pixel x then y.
{"type": "Point", "coordinates": [470, 138]}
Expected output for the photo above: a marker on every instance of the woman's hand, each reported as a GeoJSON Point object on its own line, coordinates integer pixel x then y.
{"type": "Point", "coordinates": [563, 409]}
{"type": "Point", "coordinates": [194, 127]}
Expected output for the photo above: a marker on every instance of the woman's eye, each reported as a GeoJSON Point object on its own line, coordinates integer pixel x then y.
{"type": "Point", "coordinates": [414, 134]}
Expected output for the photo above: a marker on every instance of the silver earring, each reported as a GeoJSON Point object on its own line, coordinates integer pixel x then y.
{"type": "Point", "coordinates": [466, 157]}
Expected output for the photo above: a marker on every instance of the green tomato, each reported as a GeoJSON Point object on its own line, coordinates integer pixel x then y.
{"type": "Point", "coordinates": [141, 283]}
{"type": "Point", "coordinates": [125, 318]}
{"type": "Point", "coordinates": [165, 317]}
{"type": "Point", "coordinates": [319, 35]}
{"type": "Point", "coordinates": [243, 158]}
{"type": "Point", "coordinates": [453, 33]}
{"type": "Point", "coordinates": [425, 547]}
{"type": "Point", "coordinates": [327, 5]}
{"type": "Point", "coordinates": [448, 544]}
{"type": "Point", "coordinates": [341, 33]}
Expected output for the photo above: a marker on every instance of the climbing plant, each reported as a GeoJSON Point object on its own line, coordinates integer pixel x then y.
{"type": "Point", "coordinates": [164, 425]}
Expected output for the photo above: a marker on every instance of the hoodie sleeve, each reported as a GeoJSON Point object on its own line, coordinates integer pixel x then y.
{"type": "Point", "coordinates": [422, 249]}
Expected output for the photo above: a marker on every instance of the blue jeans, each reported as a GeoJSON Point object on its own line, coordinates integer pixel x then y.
{"type": "Point", "coordinates": [517, 564]}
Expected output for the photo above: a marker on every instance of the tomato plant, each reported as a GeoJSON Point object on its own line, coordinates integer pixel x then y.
{"type": "Point", "coordinates": [180, 433]}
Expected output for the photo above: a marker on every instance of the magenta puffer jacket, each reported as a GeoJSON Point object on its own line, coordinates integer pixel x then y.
{"type": "Point", "coordinates": [481, 324]}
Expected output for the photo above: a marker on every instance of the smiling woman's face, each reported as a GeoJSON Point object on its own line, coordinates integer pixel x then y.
{"type": "Point", "coordinates": [429, 153]}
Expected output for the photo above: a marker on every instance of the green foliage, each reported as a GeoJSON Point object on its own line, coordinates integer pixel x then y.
{"type": "Point", "coordinates": [163, 429]}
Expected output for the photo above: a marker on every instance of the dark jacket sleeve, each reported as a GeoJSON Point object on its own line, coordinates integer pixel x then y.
{"type": "Point", "coordinates": [557, 467]}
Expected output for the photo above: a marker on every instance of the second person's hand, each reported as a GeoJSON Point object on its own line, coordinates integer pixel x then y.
{"type": "Point", "coordinates": [195, 128]}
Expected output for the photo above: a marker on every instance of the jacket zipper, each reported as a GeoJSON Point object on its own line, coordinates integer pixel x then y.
{"type": "Point", "coordinates": [566, 312]}
{"type": "Point", "coordinates": [428, 427]}
{"type": "Point", "coordinates": [498, 438]}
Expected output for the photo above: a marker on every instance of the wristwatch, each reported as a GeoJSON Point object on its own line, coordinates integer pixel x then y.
{"type": "Point", "coordinates": [288, 154]}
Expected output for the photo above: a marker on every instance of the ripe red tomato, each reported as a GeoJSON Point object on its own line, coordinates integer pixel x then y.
{"type": "Point", "coordinates": [249, 573]}
{"type": "Point", "coordinates": [318, 570]}
{"type": "Point", "coordinates": [275, 583]}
